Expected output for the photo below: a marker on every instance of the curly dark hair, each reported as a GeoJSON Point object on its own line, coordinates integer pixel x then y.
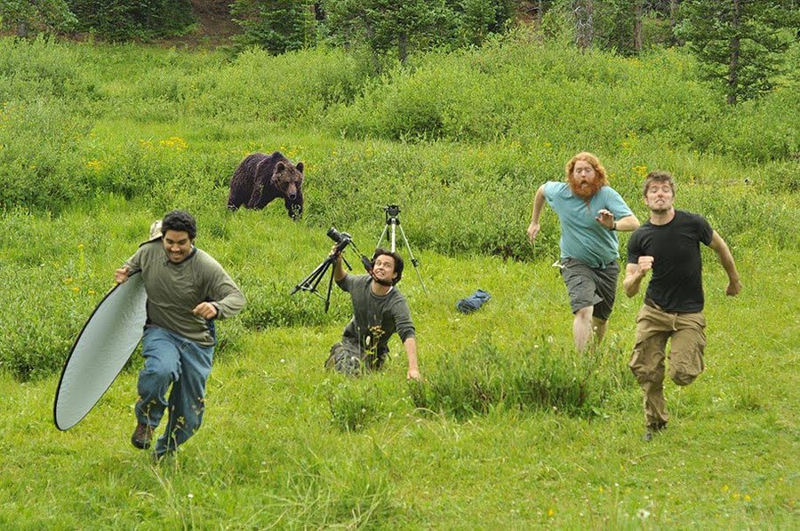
{"type": "Point", "coordinates": [179, 220]}
{"type": "Point", "coordinates": [398, 261]}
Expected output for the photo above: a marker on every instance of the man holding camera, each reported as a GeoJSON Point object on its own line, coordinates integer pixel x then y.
{"type": "Point", "coordinates": [379, 310]}
{"type": "Point", "coordinates": [668, 245]}
{"type": "Point", "coordinates": [186, 291]}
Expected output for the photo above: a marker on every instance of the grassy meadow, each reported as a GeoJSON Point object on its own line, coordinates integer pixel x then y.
{"type": "Point", "coordinates": [509, 428]}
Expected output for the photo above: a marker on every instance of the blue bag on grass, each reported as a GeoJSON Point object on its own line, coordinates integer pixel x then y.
{"type": "Point", "coordinates": [473, 302]}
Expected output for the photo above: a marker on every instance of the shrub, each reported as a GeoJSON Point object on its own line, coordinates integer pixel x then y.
{"type": "Point", "coordinates": [481, 378]}
{"type": "Point", "coordinates": [293, 88]}
{"type": "Point", "coordinates": [40, 165]}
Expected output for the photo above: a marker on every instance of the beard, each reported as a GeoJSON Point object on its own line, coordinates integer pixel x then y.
{"type": "Point", "coordinates": [586, 192]}
{"type": "Point", "coordinates": [383, 282]}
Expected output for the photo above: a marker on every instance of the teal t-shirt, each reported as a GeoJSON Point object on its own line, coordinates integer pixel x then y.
{"type": "Point", "coordinates": [582, 236]}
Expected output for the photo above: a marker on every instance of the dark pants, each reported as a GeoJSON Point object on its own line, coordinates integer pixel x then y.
{"type": "Point", "coordinates": [349, 358]}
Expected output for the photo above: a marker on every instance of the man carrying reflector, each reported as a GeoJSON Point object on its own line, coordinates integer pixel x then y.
{"type": "Point", "coordinates": [187, 290]}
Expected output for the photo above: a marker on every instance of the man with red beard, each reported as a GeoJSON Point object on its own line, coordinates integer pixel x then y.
{"type": "Point", "coordinates": [379, 310]}
{"type": "Point", "coordinates": [590, 213]}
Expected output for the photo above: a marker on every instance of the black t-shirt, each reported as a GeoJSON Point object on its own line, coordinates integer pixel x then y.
{"type": "Point", "coordinates": [677, 282]}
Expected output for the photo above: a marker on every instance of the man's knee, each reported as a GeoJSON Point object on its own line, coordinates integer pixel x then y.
{"type": "Point", "coordinates": [645, 368]}
{"type": "Point", "coordinates": [684, 374]}
{"type": "Point", "coordinates": [159, 370]}
{"type": "Point", "coordinates": [585, 313]}
{"type": "Point", "coordinates": [345, 358]}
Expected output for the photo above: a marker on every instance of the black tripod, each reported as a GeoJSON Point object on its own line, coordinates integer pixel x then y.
{"type": "Point", "coordinates": [310, 283]}
{"type": "Point", "coordinates": [392, 220]}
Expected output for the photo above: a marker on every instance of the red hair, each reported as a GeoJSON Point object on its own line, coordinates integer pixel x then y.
{"type": "Point", "coordinates": [602, 175]}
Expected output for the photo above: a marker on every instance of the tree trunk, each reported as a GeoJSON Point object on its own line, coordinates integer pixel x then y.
{"type": "Point", "coordinates": [638, 36]}
{"type": "Point", "coordinates": [402, 47]}
{"type": "Point", "coordinates": [539, 15]}
{"type": "Point", "coordinates": [584, 23]}
{"type": "Point", "coordinates": [673, 14]}
{"type": "Point", "coordinates": [733, 65]}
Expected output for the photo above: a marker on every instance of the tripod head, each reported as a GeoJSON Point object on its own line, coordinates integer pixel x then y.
{"type": "Point", "coordinates": [391, 212]}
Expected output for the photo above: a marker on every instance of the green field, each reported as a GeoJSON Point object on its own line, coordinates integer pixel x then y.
{"type": "Point", "coordinates": [510, 427]}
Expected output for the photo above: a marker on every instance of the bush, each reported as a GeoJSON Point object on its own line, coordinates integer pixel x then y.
{"type": "Point", "coordinates": [294, 88]}
{"type": "Point", "coordinates": [41, 67]}
{"type": "Point", "coordinates": [40, 163]}
{"type": "Point", "coordinates": [481, 378]}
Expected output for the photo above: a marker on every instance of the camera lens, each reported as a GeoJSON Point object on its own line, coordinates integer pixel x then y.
{"type": "Point", "coordinates": [334, 234]}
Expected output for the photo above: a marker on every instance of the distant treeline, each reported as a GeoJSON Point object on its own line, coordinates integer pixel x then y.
{"type": "Point", "coordinates": [742, 44]}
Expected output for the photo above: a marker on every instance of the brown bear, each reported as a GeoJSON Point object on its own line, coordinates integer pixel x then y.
{"type": "Point", "coordinates": [260, 178]}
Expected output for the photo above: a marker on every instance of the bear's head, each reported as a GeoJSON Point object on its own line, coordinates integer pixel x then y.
{"type": "Point", "coordinates": [288, 178]}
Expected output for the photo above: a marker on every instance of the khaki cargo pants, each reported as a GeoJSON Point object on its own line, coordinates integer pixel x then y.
{"type": "Point", "coordinates": [654, 328]}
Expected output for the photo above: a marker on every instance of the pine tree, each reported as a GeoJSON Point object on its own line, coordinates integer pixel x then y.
{"type": "Point", "coordinates": [384, 25]}
{"type": "Point", "coordinates": [740, 43]}
{"type": "Point", "coordinates": [276, 25]}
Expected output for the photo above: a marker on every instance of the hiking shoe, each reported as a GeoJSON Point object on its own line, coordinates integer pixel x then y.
{"type": "Point", "coordinates": [142, 436]}
{"type": "Point", "coordinates": [653, 430]}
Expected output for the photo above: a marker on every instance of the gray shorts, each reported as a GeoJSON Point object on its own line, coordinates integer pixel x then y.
{"type": "Point", "coordinates": [589, 286]}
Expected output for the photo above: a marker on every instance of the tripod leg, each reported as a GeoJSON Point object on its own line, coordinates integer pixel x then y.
{"type": "Point", "coordinates": [313, 279]}
{"type": "Point", "coordinates": [382, 235]}
{"type": "Point", "coordinates": [328, 297]}
{"type": "Point", "coordinates": [413, 260]}
{"type": "Point", "coordinates": [393, 235]}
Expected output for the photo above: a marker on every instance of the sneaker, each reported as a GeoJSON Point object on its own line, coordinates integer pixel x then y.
{"type": "Point", "coordinates": [142, 436]}
{"type": "Point", "coordinates": [653, 430]}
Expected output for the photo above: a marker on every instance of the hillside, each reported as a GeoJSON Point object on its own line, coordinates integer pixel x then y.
{"type": "Point", "coordinates": [510, 427]}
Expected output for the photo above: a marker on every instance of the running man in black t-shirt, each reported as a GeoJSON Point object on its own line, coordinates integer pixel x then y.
{"type": "Point", "coordinates": [669, 246]}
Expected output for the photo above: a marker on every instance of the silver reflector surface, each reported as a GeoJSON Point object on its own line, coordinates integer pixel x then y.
{"type": "Point", "coordinates": [103, 347]}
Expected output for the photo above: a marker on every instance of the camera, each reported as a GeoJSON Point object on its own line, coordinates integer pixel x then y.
{"type": "Point", "coordinates": [342, 239]}
{"type": "Point", "coordinates": [392, 211]}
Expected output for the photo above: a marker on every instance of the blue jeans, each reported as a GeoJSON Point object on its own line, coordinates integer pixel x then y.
{"type": "Point", "coordinates": [171, 359]}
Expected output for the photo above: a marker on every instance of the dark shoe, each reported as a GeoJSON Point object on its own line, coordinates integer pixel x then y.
{"type": "Point", "coordinates": [142, 436]}
{"type": "Point", "coordinates": [653, 430]}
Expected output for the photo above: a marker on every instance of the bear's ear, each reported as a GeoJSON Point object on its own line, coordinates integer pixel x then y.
{"type": "Point", "coordinates": [299, 167]}
{"type": "Point", "coordinates": [279, 167]}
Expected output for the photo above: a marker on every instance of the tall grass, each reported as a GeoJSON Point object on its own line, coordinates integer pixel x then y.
{"type": "Point", "coordinates": [509, 427]}
{"type": "Point", "coordinates": [485, 376]}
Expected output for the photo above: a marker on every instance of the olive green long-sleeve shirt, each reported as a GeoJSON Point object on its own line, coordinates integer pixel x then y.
{"type": "Point", "coordinates": [174, 290]}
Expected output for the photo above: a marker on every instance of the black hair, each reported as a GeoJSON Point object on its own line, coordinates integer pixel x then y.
{"type": "Point", "coordinates": [179, 220]}
{"type": "Point", "coordinates": [398, 262]}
